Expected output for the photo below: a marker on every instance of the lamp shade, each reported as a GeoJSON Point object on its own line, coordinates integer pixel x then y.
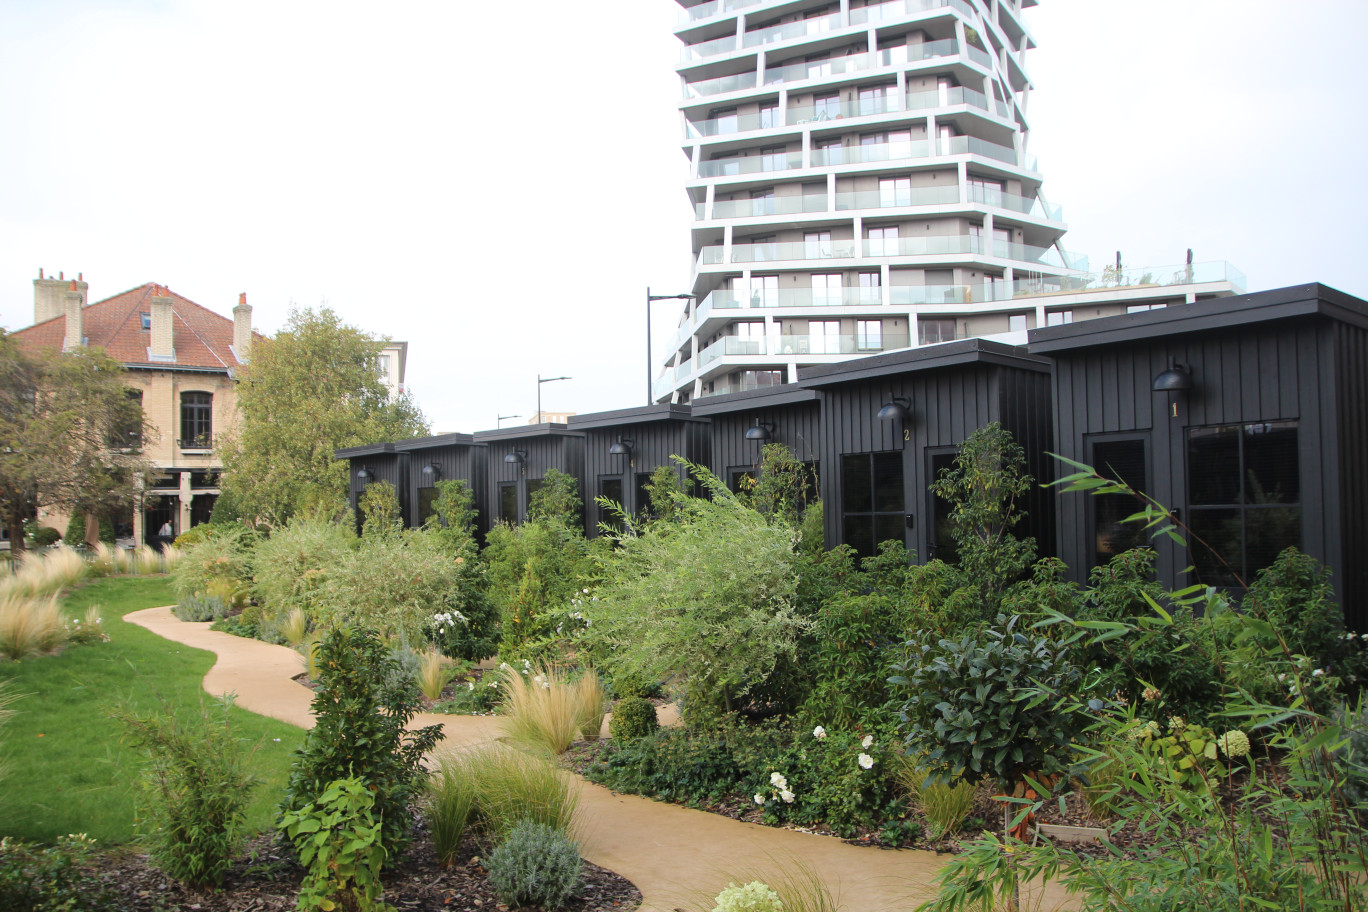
{"type": "Point", "coordinates": [1176, 379]}
{"type": "Point", "coordinates": [623, 447]}
{"type": "Point", "coordinates": [759, 432]}
{"type": "Point", "coordinates": [432, 472]}
{"type": "Point", "coordinates": [365, 475]}
{"type": "Point", "coordinates": [894, 411]}
{"type": "Point", "coordinates": [515, 457]}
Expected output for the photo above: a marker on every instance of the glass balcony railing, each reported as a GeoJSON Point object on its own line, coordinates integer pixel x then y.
{"type": "Point", "coordinates": [832, 110]}
{"type": "Point", "coordinates": [916, 295]}
{"type": "Point", "coordinates": [795, 250]}
{"type": "Point", "coordinates": [838, 66]}
{"type": "Point", "coordinates": [893, 199]}
{"type": "Point", "coordinates": [936, 245]}
{"type": "Point", "coordinates": [920, 148]}
{"type": "Point", "coordinates": [734, 123]}
{"type": "Point", "coordinates": [1186, 274]}
{"type": "Point", "coordinates": [769, 205]}
{"type": "Point", "coordinates": [752, 164]}
{"type": "Point", "coordinates": [730, 345]}
{"type": "Point", "coordinates": [1026, 253]}
{"type": "Point", "coordinates": [708, 10]}
{"type": "Point", "coordinates": [980, 56]}
{"type": "Point", "coordinates": [999, 199]}
{"type": "Point", "coordinates": [898, 9]}
{"type": "Point", "coordinates": [789, 30]}
{"type": "Point", "coordinates": [921, 245]}
{"type": "Point", "coordinates": [705, 49]}
{"type": "Point", "coordinates": [720, 86]}
{"type": "Point", "coordinates": [842, 344]}
{"type": "Point", "coordinates": [946, 97]}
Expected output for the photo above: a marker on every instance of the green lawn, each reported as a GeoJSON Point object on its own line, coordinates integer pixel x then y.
{"type": "Point", "coordinates": [70, 770]}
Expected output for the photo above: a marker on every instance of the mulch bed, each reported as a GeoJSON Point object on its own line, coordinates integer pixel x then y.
{"type": "Point", "coordinates": [266, 880]}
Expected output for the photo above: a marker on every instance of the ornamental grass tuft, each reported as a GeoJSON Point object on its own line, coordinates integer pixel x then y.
{"type": "Point", "coordinates": [449, 805]}
{"type": "Point", "coordinates": [434, 671]}
{"type": "Point", "coordinates": [945, 805]}
{"type": "Point", "coordinates": [540, 709]}
{"type": "Point", "coordinates": [591, 704]}
{"type": "Point", "coordinates": [30, 626]}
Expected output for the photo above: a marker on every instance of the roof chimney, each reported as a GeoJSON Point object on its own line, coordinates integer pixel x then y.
{"type": "Point", "coordinates": [242, 329]}
{"type": "Point", "coordinates": [72, 305]}
{"type": "Point", "coordinates": [49, 296]}
{"type": "Point", "coordinates": [163, 347]}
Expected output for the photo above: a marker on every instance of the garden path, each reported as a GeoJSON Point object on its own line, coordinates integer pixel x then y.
{"type": "Point", "coordinates": [678, 857]}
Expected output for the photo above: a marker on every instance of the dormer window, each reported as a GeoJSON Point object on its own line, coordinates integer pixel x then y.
{"type": "Point", "coordinates": [146, 320]}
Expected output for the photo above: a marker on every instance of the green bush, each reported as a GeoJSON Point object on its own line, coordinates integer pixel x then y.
{"type": "Point", "coordinates": [221, 557]}
{"type": "Point", "coordinates": [45, 537]}
{"type": "Point", "coordinates": [843, 779]}
{"type": "Point", "coordinates": [290, 567]}
{"type": "Point", "coordinates": [680, 599]}
{"type": "Point", "coordinates": [359, 732]}
{"type": "Point", "coordinates": [394, 583]}
{"type": "Point", "coordinates": [196, 534]}
{"type": "Point", "coordinates": [535, 866]}
{"type": "Point", "coordinates": [52, 878]}
{"type": "Point", "coordinates": [534, 570]}
{"type": "Point", "coordinates": [854, 644]}
{"type": "Point", "coordinates": [76, 529]}
{"type": "Point", "coordinates": [198, 783]}
{"type": "Point", "coordinates": [199, 607]}
{"type": "Point", "coordinates": [633, 717]}
{"type": "Point", "coordinates": [338, 838]}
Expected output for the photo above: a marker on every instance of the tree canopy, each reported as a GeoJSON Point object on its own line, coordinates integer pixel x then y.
{"type": "Point", "coordinates": [312, 389]}
{"type": "Point", "coordinates": [70, 433]}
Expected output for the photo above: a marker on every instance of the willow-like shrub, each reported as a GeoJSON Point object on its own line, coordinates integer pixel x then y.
{"type": "Point", "coordinates": [706, 599]}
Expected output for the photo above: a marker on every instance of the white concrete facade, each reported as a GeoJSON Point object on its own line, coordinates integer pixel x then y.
{"type": "Point", "coordinates": [861, 183]}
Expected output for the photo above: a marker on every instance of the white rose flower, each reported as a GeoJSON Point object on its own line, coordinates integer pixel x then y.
{"type": "Point", "coordinates": [819, 733]}
{"type": "Point", "coordinates": [759, 798]}
{"type": "Point", "coordinates": [786, 795]}
{"type": "Point", "coordinates": [866, 761]}
{"type": "Point", "coordinates": [867, 742]}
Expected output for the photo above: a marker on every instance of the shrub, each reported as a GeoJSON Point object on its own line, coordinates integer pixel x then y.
{"type": "Point", "coordinates": [512, 786]}
{"type": "Point", "coordinates": [840, 778]}
{"type": "Point", "coordinates": [379, 507]}
{"type": "Point", "coordinates": [853, 648]}
{"type": "Point", "coordinates": [797, 888]}
{"type": "Point", "coordinates": [359, 732]}
{"type": "Point", "coordinates": [40, 878]}
{"type": "Point", "coordinates": [198, 782]}
{"type": "Point", "coordinates": [633, 717]}
{"type": "Point", "coordinates": [394, 583]}
{"type": "Point", "coordinates": [199, 607]}
{"type": "Point", "coordinates": [680, 599]}
{"type": "Point", "coordinates": [196, 534]}
{"type": "Point", "coordinates": [30, 626]}
{"type": "Point", "coordinates": [539, 711]}
{"type": "Point", "coordinates": [535, 865]}
{"type": "Point", "coordinates": [533, 569]}
{"type": "Point", "coordinates": [752, 897]}
{"type": "Point", "coordinates": [338, 838]}
{"type": "Point", "coordinates": [45, 537]}
{"type": "Point", "coordinates": [223, 556]}
{"type": "Point", "coordinates": [449, 806]}
{"type": "Point", "coordinates": [290, 567]}
{"type": "Point", "coordinates": [590, 704]}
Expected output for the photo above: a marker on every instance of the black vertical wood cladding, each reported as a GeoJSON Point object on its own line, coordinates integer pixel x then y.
{"type": "Point", "coordinates": [1351, 359]}
{"type": "Point", "coordinates": [1283, 370]}
{"type": "Point", "coordinates": [391, 467]}
{"type": "Point", "coordinates": [947, 405]}
{"type": "Point", "coordinates": [653, 445]}
{"type": "Point", "coordinates": [464, 461]}
{"type": "Point", "coordinates": [560, 450]}
{"type": "Point", "coordinates": [797, 426]}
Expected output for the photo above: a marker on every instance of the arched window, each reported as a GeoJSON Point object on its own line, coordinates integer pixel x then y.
{"type": "Point", "coordinates": [197, 421]}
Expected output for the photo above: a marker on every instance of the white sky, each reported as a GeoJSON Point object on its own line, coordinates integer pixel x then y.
{"type": "Point", "coordinates": [498, 182]}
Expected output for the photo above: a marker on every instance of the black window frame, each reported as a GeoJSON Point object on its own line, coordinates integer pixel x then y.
{"type": "Point", "coordinates": [504, 514]}
{"type": "Point", "coordinates": [946, 550]}
{"type": "Point", "coordinates": [606, 516]}
{"type": "Point", "coordinates": [1098, 502]}
{"type": "Point", "coordinates": [196, 420]}
{"type": "Point", "coordinates": [879, 520]}
{"type": "Point", "coordinates": [1241, 504]}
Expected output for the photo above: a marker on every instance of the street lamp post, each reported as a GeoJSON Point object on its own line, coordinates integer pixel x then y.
{"type": "Point", "coordinates": [650, 298]}
{"type": "Point", "coordinates": [540, 381]}
{"type": "Point", "coordinates": [502, 417]}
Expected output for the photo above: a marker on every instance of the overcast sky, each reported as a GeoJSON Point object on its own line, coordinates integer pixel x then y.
{"type": "Point", "coordinates": [497, 183]}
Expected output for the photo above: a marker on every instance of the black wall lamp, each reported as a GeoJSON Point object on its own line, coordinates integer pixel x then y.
{"type": "Point", "coordinates": [896, 409]}
{"type": "Point", "coordinates": [365, 475]}
{"type": "Point", "coordinates": [623, 447]}
{"type": "Point", "coordinates": [432, 471]}
{"type": "Point", "coordinates": [1176, 379]}
{"type": "Point", "coordinates": [761, 431]}
{"type": "Point", "coordinates": [516, 457]}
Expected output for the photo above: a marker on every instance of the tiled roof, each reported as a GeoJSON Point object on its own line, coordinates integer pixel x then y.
{"type": "Point", "coordinates": [202, 338]}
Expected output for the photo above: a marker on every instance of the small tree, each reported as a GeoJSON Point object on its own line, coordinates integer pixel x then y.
{"type": "Point", "coordinates": [379, 506]}
{"type": "Point", "coordinates": [987, 481]}
{"type": "Point", "coordinates": [556, 501]}
{"type": "Point", "coordinates": [453, 514]}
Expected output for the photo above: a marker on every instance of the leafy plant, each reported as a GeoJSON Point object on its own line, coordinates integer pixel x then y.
{"type": "Point", "coordinates": [42, 878]}
{"type": "Point", "coordinates": [533, 570]}
{"type": "Point", "coordinates": [633, 717]}
{"type": "Point", "coordinates": [556, 501]}
{"type": "Point", "coordinates": [379, 508]}
{"type": "Point", "coordinates": [223, 556]}
{"type": "Point", "coordinates": [706, 601]}
{"type": "Point", "coordinates": [198, 782]}
{"type": "Point", "coordinates": [290, 567]}
{"type": "Point", "coordinates": [449, 805]}
{"type": "Point", "coordinates": [535, 865]}
{"type": "Point", "coordinates": [199, 607]}
{"type": "Point", "coordinates": [339, 840]}
{"type": "Point", "coordinates": [359, 732]}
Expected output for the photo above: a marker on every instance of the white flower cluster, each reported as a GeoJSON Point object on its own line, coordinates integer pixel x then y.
{"type": "Point", "coordinates": [1356, 636]}
{"type": "Point", "coordinates": [780, 784]}
{"type": "Point", "coordinates": [449, 619]}
{"type": "Point", "coordinates": [753, 897]}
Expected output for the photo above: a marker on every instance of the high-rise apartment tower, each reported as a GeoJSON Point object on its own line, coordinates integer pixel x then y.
{"type": "Point", "coordinates": [861, 182]}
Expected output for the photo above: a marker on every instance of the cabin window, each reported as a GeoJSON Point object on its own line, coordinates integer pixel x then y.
{"type": "Point", "coordinates": [1244, 498]}
{"type": "Point", "coordinates": [872, 504]}
{"type": "Point", "coordinates": [1123, 460]}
